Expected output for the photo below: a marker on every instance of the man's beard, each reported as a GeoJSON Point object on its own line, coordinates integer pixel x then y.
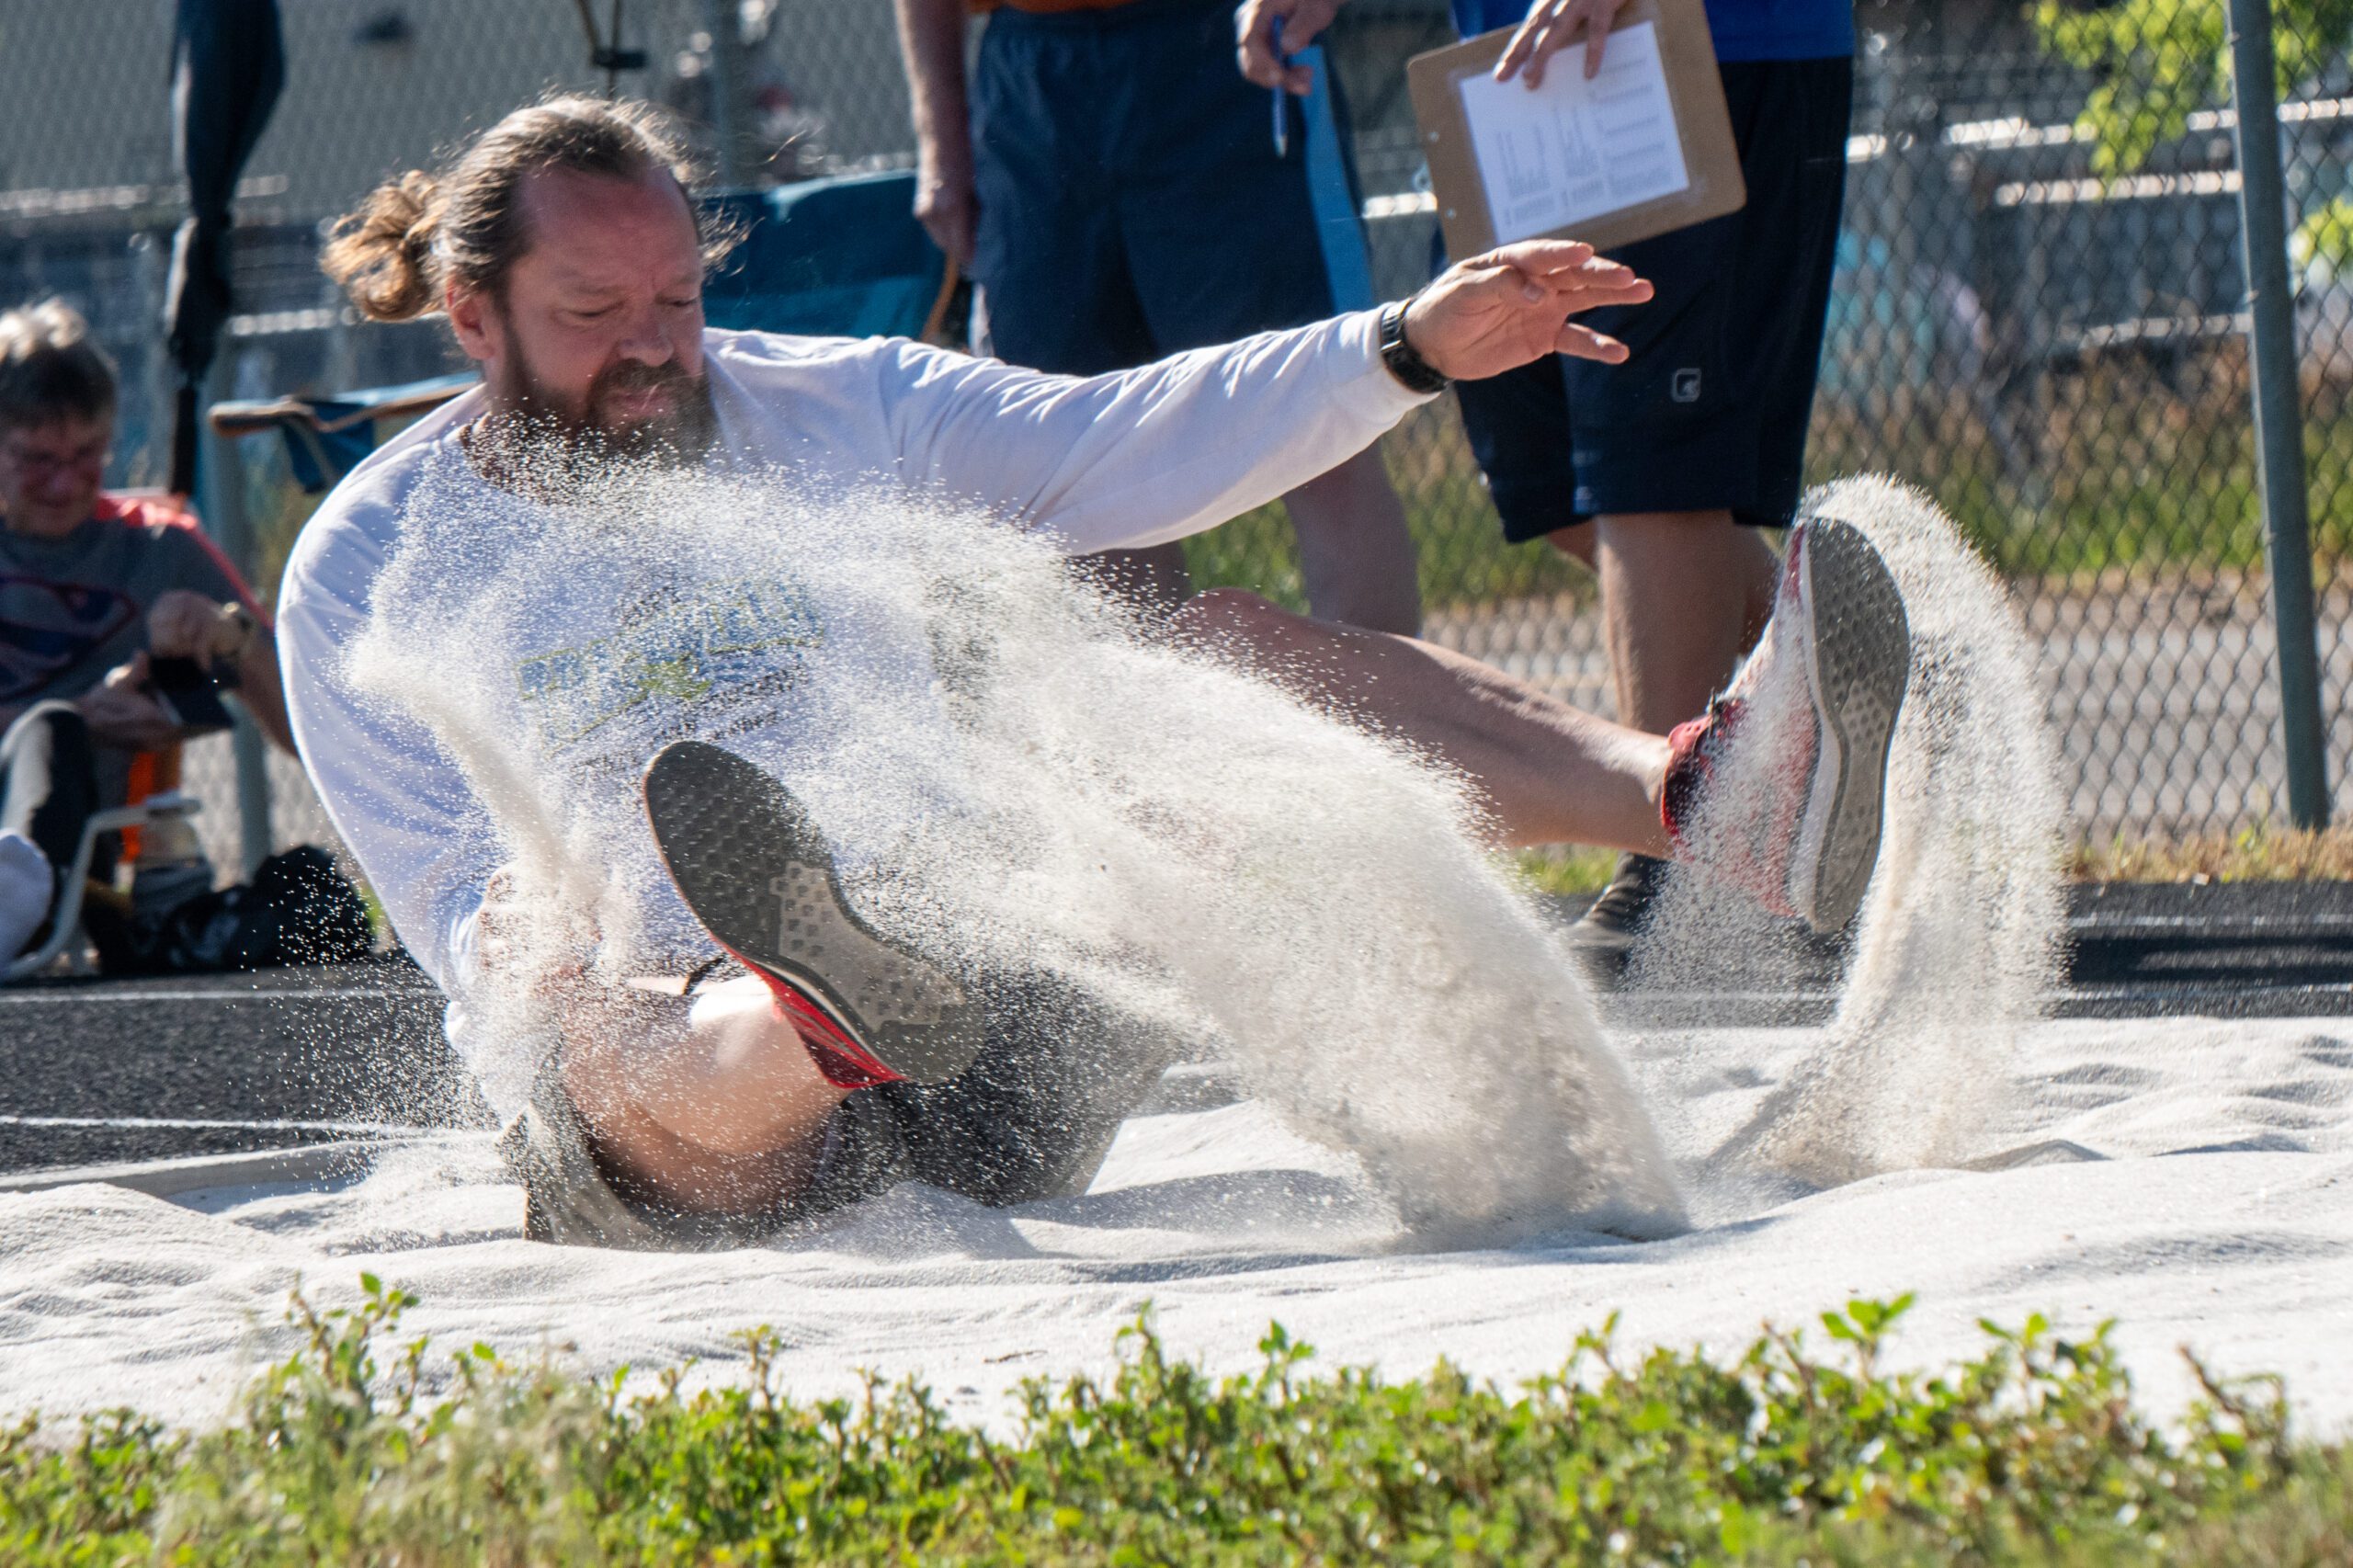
{"type": "Point", "coordinates": [583, 434]}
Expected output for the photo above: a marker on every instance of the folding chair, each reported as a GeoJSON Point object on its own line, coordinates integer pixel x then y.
{"type": "Point", "coordinates": [65, 934]}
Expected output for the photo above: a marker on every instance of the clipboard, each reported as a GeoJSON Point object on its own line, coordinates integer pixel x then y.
{"type": "Point", "coordinates": [1695, 91]}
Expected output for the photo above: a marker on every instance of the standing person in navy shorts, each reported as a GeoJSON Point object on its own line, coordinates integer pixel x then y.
{"type": "Point", "coordinates": [1115, 190]}
{"type": "Point", "coordinates": [1657, 471]}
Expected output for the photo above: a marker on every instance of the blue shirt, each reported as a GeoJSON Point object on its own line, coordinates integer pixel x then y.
{"type": "Point", "coordinates": [1743, 29]}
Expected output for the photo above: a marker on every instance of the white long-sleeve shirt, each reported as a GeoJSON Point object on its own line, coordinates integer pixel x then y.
{"type": "Point", "coordinates": [1137, 458]}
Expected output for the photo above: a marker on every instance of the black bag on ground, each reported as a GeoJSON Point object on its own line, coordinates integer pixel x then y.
{"type": "Point", "coordinates": [297, 910]}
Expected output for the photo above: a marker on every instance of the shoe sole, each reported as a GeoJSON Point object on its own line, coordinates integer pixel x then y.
{"type": "Point", "coordinates": [1859, 661]}
{"type": "Point", "coordinates": [759, 876]}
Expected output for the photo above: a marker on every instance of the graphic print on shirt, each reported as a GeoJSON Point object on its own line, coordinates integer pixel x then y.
{"type": "Point", "coordinates": [729, 645]}
{"type": "Point", "coordinates": [46, 628]}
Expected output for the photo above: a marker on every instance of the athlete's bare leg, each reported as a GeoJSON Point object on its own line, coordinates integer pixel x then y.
{"type": "Point", "coordinates": [715, 1105]}
{"type": "Point", "coordinates": [1548, 773]}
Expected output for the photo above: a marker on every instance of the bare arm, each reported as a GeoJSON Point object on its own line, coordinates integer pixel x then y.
{"type": "Point", "coordinates": [259, 689]}
{"type": "Point", "coordinates": [931, 37]}
{"type": "Point", "coordinates": [182, 624]}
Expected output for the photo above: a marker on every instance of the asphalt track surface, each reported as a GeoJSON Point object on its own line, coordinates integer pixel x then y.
{"type": "Point", "coordinates": [104, 1071]}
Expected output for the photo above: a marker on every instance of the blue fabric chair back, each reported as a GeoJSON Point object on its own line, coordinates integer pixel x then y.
{"type": "Point", "coordinates": [825, 259]}
{"type": "Point", "coordinates": [828, 258]}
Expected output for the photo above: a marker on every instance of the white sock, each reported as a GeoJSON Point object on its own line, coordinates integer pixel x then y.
{"type": "Point", "coordinates": [26, 886]}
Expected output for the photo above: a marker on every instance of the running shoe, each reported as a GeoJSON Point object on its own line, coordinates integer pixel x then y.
{"type": "Point", "coordinates": [757, 873]}
{"type": "Point", "coordinates": [1803, 835]}
{"type": "Point", "coordinates": [1616, 916]}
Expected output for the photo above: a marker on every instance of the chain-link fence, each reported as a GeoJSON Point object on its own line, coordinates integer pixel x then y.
{"type": "Point", "coordinates": [2038, 312]}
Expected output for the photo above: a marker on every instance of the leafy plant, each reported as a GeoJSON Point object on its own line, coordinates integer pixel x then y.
{"type": "Point", "coordinates": [2031, 1452]}
{"type": "Point", "coordinates": [2160, 61]}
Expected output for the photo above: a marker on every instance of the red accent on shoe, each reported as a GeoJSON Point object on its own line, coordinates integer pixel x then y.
{"type": "Point", "coordinates": [840, 1060]}
{"type": "Point", "coordinates": [1691, 748]}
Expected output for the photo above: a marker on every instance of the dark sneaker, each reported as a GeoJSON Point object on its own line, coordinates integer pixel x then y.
{"type": "Point", "coordinates": [1803, 837]}
{"type": "Point", "coordinates": [1616, 916]}
{"type": "Point", "coordinates": [757, 873]}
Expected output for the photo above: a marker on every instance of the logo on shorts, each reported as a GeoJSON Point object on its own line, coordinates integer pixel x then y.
{"type": "Point", "coordinates": [1685, 388]}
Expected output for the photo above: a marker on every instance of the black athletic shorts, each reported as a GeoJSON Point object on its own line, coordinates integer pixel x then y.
{"type": "Point", "coordinates": [1711, 410]}
{"type": "Point", "coordinates": [1131, 203]}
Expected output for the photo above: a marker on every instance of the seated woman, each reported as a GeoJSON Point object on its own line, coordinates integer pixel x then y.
{"type": "Point", "coordinates": [94, 590]}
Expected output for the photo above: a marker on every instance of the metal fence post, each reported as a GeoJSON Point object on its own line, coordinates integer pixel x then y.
{"type": "Point", "coordinates": [220, 484]}
{"type": "Point", "coordinates": [2278, 413]}
{"type": "Point", "coordinates": [727, 91]}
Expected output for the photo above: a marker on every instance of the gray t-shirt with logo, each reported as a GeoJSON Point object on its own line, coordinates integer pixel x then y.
{"type": "Point", "coordinates": [72, 608]}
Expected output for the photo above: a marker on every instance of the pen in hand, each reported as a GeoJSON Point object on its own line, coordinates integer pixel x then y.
{"type": "Point", "coordinates": [1283, 110]}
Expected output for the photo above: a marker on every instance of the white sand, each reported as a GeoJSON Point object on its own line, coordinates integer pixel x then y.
{"type": "Point", "coordinates": [2218, 1216]}
{"type": "Point", "coordinates": [1410, 1006]}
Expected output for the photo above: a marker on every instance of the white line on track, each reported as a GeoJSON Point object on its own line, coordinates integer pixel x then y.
{"type": "Point", "coordinates": [199, 1124]}
{"type": "Point", "coordinates": [345, 993]}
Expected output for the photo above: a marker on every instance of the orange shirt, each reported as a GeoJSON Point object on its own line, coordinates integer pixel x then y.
{"type": "Point", "coordinates": [1047, 6]}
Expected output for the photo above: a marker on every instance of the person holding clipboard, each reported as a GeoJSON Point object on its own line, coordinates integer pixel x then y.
{"type": "Point", "coordinates": [1119, 196]}
{"type": "Point", "coordinates": [1655, 472]}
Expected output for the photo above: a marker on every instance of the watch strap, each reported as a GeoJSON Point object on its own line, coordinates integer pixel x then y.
{"type": "Point", "coordinates": [1404, 360]}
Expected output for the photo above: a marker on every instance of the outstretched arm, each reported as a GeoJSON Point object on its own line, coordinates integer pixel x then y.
{"type": "Point", "coordinates": [1167, 450]}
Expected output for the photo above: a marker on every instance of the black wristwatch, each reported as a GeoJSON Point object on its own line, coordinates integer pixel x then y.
{"type": "Point", "coordinates": [1404, 362]}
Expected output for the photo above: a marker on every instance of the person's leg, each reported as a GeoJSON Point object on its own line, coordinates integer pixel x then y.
{"type": "Point", "coordinates": [727, 1119]}
{"type": "Point", "coordinates": [1683, 597]}
{"type": "Point", "coordinates": [712, 1106]}
{"type": "Point", "coordinates": [1221, 238]}
{"type": "Point", "coordinates": [1703, 427]}
{"type": "Point", "coordinates": [1777, 789]}
{"type": "Point", "coordinates": [1547, 772]}
{"type": "Point", "coordinates": [1576, 543]}
{"type": "Point", "coordinates": [1354, 551]}
{"type": "Point", "coordinates": [49, 781]}
{"type": "Point", "coordinates": [48, 788]}
{"type": "Point", "coordinates": [1056, 294]}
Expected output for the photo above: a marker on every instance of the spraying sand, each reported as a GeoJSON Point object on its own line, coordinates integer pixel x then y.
{"type": "Point", "coordinates": [1013, 776]}
{"type": "Point", "coordinates": [1418, 1138]}
{"type": "Point", "coordinates": [1957, 940]}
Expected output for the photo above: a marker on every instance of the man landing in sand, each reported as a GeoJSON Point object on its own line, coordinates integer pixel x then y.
{"type": "Point", "coordinates": [566, 249]}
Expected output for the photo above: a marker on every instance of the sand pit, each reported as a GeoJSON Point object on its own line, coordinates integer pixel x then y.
{"type": "Point", "coordinates": [2216, 1216]}
{"type": "Point", "coordinates": [1425, 1131]}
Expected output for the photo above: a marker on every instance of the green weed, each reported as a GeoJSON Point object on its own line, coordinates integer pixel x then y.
{"type": "Point", "coordinates": [2031, 1452]}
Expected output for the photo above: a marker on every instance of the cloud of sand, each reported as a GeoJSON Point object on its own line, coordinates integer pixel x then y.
{"type": "Point", "coordinates": [1014, 774]}
{"type": "Point", "coordinates": [1957, 943]}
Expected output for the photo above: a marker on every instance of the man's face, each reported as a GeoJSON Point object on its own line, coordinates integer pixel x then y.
{"type": "Point", "coordinates": [50, 474]}
{"type": "Point", "coordinates": [597, 331]}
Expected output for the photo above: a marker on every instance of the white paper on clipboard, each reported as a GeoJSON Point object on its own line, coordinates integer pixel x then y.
{"type": "Point", "coordinates": [1573, 150]}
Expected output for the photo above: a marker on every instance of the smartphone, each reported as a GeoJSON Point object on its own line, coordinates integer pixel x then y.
{"type": "Point", "coordinates": [188, 694]}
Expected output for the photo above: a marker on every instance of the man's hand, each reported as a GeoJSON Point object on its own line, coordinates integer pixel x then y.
{"type": "Point", "coordinates": [931, 41]}
{"type": "Point", "coordinates": [1552, 25]}
{"type": "Point", "coordinates": [1254, 36]}
{"type": "Point", "coordinates": [1502, 310]}
{"type": "Point", "coordinates": [185, 625]}
{"type": "Point", "coordinates": [121, 714]}
{"type": "Point", "coordinates": [948, 206]}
